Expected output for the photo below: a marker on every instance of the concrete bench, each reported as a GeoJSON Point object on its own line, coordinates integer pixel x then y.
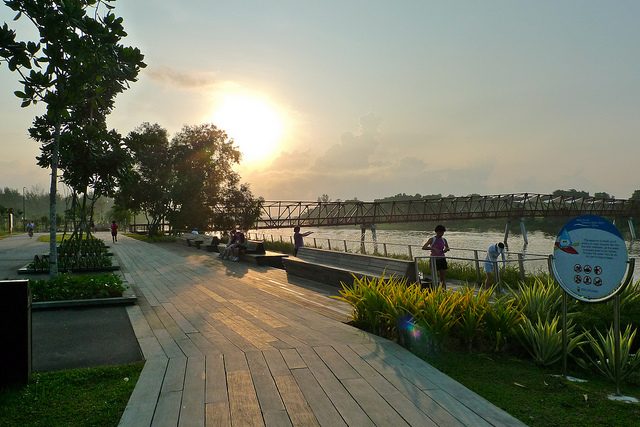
{"type": "Point", "coordinates": [252, 247]}
{"type": "Point", "coordinates": [333, 267]}
{"type": "Point", "coordinates": [193, 239]}
{"type": "Point", "coordinates": [255, 253]}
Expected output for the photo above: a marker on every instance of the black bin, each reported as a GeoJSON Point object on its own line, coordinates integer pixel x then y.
{"type": "Point", "coordinates": [15, 332]}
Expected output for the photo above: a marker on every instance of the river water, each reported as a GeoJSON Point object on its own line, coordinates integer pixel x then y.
{"type": "Point", "coordinates": [462, 243]}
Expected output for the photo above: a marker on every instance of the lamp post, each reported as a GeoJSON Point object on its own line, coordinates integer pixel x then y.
{"type": "Point", "coordinates": [24, 212]}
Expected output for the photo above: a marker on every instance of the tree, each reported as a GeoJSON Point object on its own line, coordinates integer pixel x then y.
{"type": "Point", "coordinates": [636, 195]}
{"type": "Point", "coordinates": [147, 187]}
{"type": "Point", "coordinates": [570, 193]}
{"type": "Point", "coordinates": [603, 195]}
{"type": "Point", "coordinates": [188, 181]}
{"type": "Point", "coordinates": [76, 67]}
{"type": "Point", "coordinates": [202, 158]}
{"type": "Point", "coordinates": [239, 209]}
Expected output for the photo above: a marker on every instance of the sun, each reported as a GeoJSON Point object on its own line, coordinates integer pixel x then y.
{"type": "Point", "coordinates": [253, 122]}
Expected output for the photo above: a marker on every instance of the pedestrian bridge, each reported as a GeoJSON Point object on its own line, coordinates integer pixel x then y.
{"type": "Point", "coordinates": [284, 214]}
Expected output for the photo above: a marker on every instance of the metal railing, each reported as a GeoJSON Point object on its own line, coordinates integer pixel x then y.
{"type": "Point", "coordinates": [476, 256]}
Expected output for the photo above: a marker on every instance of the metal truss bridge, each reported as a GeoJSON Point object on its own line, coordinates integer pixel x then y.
{"type": "Point", "coordinates": [286, 214]}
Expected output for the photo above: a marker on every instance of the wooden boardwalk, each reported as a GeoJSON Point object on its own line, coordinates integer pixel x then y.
{"type": "Point", "coordinates": [229, 344]}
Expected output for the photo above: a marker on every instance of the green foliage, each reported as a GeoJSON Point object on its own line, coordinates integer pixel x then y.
{"type": "Point", "coordinates": [77, 255]}
{"type": "Point", "coordinates": [472, 307]}
{"type": "Point", "coordinates": [277, 246]}
{"type": "Point", "coordinates": [542, 299]}
{"type": "Point", "coordinates": [597, 316]}
{"type": "Point", "coordinates": [368, 298]}
{"type": "Point", "coordinates": [68, 287]}
{"type": "Point", "coordinates": [437, 317]}
{"type": "Point", "coordinates": [543, 339]}
{"type": "Point", "coordinates": [502, 320]}
{"type": "Point", "coordinates": [600, 354]}
{"type": "Point", "coordinates": [78, 397]}
{"type": "Point", "coordinates": [76, 67]}
{"type": "Point", "coordinates": [188, 181]}
{"type": "Point", "coordinates": [146, 188]}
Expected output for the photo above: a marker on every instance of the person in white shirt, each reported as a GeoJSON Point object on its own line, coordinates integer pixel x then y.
{"type": "Point", "coordinates": [491, 262]}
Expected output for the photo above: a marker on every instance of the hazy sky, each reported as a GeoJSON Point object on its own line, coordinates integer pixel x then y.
{"type": "Point", "coordinates": [373, 98]}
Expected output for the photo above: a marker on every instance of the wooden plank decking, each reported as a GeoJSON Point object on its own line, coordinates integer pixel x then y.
{"type": "Point", "coordinates": [236, 344]}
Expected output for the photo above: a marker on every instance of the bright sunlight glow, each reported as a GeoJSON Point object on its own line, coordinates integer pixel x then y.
{"type": "Point", "coordinates": [255, 125]}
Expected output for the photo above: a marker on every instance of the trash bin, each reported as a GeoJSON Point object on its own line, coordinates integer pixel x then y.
{"type": "Point", "coordinates": [15, 332]}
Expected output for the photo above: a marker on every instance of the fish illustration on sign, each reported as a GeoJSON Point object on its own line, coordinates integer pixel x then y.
{"type": "Point", "coordinates": [564, 243]}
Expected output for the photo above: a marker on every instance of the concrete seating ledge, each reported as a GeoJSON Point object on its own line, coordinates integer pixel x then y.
{"type": "Point", "coordinates": [334, 267]}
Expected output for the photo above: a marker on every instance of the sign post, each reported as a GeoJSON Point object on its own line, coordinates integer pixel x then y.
{"type": "Point", "coordinates": [591, 264]}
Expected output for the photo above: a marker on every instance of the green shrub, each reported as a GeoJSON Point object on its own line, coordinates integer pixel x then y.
{"type": "Point", "coordinates": [68, 287]}
{"type": "Point", "coordinates": [543, 339]}
{"type": "Point", "coordinates": [368, 300]}
{"type": "Point", "coordinates": [472, 306]}
{"type": "Point", "coordinates": [600, 354]}
{"type": "Point", "coordinates": [277, 246]}
{"type": "Point", "coordinates": [598, 316]}
{"type": "Point", "coordinates": [541, 299]}
{"type": "Point", "coordinates": [437, 317]}
{"type": "Point", "coordinates": [501, 321]}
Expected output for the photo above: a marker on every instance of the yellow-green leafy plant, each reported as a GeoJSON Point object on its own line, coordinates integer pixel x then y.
{"type": "Point", "coordinates": [437, 317]}
{"type": "Point", "coordinates": [403, 301]}
{"type": "Point", "coordinates": [543, 339]}
{"type": "Point", "coordinates": [501, 321]}
{"type": "Point", "coordinates": [472, 307]}
{"type": "Point", "coordinates": [367, 301]}
{"type": "Point", "coordinates": [377, 303]}
{"type": "Point", "coordinates": [541, 299]}
{"type": "Point", "coordinates": [600, 354]}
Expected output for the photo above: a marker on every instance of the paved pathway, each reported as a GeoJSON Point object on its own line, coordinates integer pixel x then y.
{"type": "Point", "coordinates": [232, 344]}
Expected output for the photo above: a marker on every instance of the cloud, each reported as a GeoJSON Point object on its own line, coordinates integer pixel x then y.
{"type": "Point", "coordinates": [171, 77]}
{"type": "Point", "coordinates": [354, 150]}
{"type": "Point", "coordinates": [368, 164]}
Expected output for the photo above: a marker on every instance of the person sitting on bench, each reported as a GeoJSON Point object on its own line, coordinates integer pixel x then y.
{"type": "Point", "coordinates": [239, 246]}
{"type": "Point", "coordinates": [236, 243]}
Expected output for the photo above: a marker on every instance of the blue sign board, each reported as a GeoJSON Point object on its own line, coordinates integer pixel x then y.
{"type": "Point", "coordinates": [590, 258]}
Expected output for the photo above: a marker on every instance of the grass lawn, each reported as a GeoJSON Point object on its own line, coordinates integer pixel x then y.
{"type": "Point", "coordinates": [77, 397]}
{"type": "Point", "coordinates": [46, 238]}
{"type": "Point", "coordinates": [537, 397]}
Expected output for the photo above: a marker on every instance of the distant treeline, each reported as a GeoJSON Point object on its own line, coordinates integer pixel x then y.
{"type": "Point", "coordinates": [565, 193]}
{"type": "Point", "coordinates": [35, 204]}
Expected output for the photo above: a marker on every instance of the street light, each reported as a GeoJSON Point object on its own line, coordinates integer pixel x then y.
{"type": "Point", "coordinates": [24, 212]}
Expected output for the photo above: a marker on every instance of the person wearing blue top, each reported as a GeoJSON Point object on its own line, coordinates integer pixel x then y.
{"type": "Point", "coordinates": [491, 262]}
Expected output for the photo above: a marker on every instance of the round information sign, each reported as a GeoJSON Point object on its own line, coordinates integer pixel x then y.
{"type": "Point", "coordinates": [590, 258]}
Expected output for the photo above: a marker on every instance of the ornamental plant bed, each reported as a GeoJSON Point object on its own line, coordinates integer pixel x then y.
{"type": "Point", "coordinates": [40, 265]}
{"type": "Point", "coordinates": [68, 287]}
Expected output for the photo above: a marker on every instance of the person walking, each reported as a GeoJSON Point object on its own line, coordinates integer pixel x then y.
{"type": "Point", "coordinates": [298, 240]}
{"type": "Point", "coordinates": [491, 262]}
{"type": "Point", "coordinates": [30, 228]}
{"type": "Point", "coordinates": [438, 246]}
{"type": "Point", "coordinates": [114, 231]}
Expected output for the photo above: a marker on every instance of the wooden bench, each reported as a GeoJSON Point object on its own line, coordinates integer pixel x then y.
{"type": "Point", "coordinates": [333, 267]}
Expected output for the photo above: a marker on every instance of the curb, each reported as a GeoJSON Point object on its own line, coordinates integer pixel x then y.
{"type": "Point", "coordinates": [79, 303]}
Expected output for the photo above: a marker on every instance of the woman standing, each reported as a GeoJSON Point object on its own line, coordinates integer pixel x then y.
{"type": "Point", "coordinates": [298, 240]}
{"type": "Point", "coordinates": [438, 246]}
